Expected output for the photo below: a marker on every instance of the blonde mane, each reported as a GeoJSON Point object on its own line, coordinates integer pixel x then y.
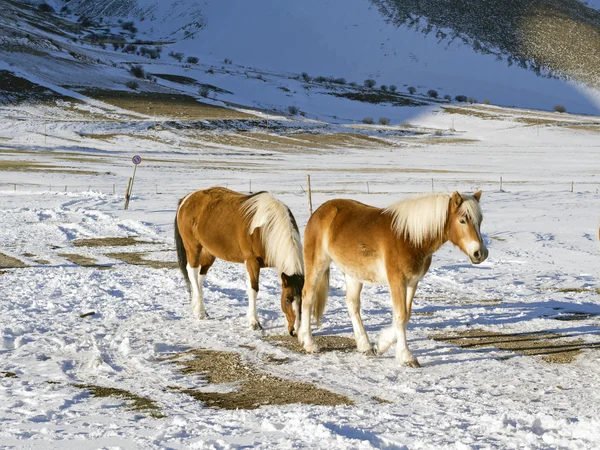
{"type": "Point", "coordinates": [280, 237]}
{"type": "Point", "coordinates": [423, 218]}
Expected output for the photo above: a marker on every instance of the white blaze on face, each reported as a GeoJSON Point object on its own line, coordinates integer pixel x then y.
{"type": "Point", "coordinates": [475, 245]}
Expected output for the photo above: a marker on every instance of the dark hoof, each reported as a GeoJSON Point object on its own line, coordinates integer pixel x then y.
{"type": "Point", "coordinates": [257, 326]}
{"type": "Point", "coordinates": [292, 333]}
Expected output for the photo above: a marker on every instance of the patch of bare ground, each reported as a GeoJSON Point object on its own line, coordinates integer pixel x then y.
{"type": "Point", "coordinates": [551, 347]}
{"type": "Point", "coordinates": [82, 260]}
{"type": "Point", "coordinates": [30, 166]}
{"type": "Point", "coordinates": [108, 242]}
{"type": "Point", "coordinates": [8, 262]}
{"type": "Point", "coordinates": [592, 128]}
{"type": "Point", "coordinates": [135, 402]}
{"type": "Point", "coordinates": [326, 343]}
{"type": "Point", "coordinates": [471, 112]}
{"type": "Point", "coordinates": [254, 388]}
{"type": "Point", "coordinates": [137, 259]}
{"type": "Point", "coordinates": [172, 105]}
{"type": "Point", "coordinates": [537, 121]}
{"type": "Point", "coordinates": [44, 262]}
{"type": "Point", "coordinates": [437, 140]}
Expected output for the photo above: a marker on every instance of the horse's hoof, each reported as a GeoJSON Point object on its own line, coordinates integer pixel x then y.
{"type": "Point", "coordinates": [292, 333]}
{"type": "Point", "coordinates": [371, 352]}
{"type": "Point", "coordinates": [203, 316]}
{"type": "Point", "coordinates": [413, 363]}
{"type": "Point", "coordinates": [311, 348]}
{"type": "Point", "coordinates": [256, 326]}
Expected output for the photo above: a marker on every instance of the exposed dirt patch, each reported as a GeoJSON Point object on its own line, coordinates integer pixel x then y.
{"type": "Point", "coordinates": [471, 112]}
{"type": "Point", "coordinates": [29, 166]}
{"type": "Point", "coordinates": [45, 262]}
{"type": "Point", "coordinates": [326, 343]}
{"type": "Point", "coordinates": [6, 374]}
{"type": "Point", "coordinates": [17, 90]}
{"type": "Point", "coordinates": [176, 106]}
{"type": "Point", "coordinates": [136, 402]}
{"type": "Point", "coordinates": [378, 97]}
{"type": "Point", "coordinates": [137, 258]}
{"type": "Point", "coordinates": [28, 255]}
{"type": "Point", "coordinates": [552, 347]}
{"type": "Point", "coordinates": [8, 262]}
{"type": "Point", "coordinates": [108, 242]}
{"type": "Point", "coordinates": [255, 388]}
{"type": "Point", "coordinates": [82, 260]}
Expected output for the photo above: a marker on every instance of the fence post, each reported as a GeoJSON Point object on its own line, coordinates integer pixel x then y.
{"type": "Point", "coordinates": [127, 195]}
{"type": "Point", "coordinates": [250, 186]}
{"type": "Point", "coordinates": [309, 196]}
{"type": "Point", "coordinates": [571, 186]}
{"type": "Point", "coordinates": [432, 189]}
{"type": "Point", "coordinates": [368, 190]}
{"type": "Point", "coordinates": [501, 185]}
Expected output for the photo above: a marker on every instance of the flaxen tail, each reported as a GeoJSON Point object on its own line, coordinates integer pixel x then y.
{"type": "Point", "coordinates": [181, 254]}
{"type": "Point", "coordinates": [321, 294]}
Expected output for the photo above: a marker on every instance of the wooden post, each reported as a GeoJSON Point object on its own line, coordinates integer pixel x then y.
{"type": "Point", "coordinates": [571, 186]}
{"type": "Point", "coordinates": [65, 188]}
{"type": "Point", "coordinates": [250, 186]}
{"type": "Point", "coordinates": [309, 196]}
{"type": "Point", "coordinates": [15, 186]}
{"type": "Point", "coordinates": [432, 189]}
{"type": "Point", "coordinates": [501, 185]}
{"type": "Point", "coordinates": [113, 189]}
{"type": "Point", "coordinates": [127, 195]}
{"type": "Point", "coordinates": [368, 190]}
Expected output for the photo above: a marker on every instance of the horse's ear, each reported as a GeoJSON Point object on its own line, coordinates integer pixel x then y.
{"type": "Point", "coordinates": [456, 199]}
{"type": "Point", "coordinates": [477, 195]}
{"type": "Point", "coordinates": [285, 280]}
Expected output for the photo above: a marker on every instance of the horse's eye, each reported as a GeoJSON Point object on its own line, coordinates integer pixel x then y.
{"type": "Point", "coordinates": [463, 221]}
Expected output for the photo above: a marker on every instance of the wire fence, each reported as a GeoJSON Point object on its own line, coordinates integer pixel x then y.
{"type": "Point", "coordinates": [318, 186]}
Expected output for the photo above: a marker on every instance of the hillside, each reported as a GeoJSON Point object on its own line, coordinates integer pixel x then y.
{"type": "Point", "coordinates": [252, 54]}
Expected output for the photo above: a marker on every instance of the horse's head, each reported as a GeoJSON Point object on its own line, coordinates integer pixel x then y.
{"type": "Point", "coordinates": [464, 222]}
{"type": "Point", "coordinates": [291, 300]}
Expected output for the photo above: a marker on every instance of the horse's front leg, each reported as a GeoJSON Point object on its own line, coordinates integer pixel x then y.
{"type": "Point", "coordinates": [389, 336]}
{"type": "Point", "coordinates": [353, 289]}
{"type": "Point", "coordinates": [398, 287]}
{"type": "Point", "coordinates": [253, 270]}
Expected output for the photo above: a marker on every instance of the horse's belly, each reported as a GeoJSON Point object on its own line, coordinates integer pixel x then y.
{"type": "Point", "coordinates": [372, 273]}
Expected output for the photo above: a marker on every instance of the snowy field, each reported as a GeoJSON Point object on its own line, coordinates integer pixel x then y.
{"type": "Point", "coordinates": [543, 264]}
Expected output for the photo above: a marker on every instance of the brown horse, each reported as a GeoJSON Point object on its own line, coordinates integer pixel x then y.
{"type": "Point", "coordinates": [390, 246]}
{"type": "Point", "coordinates": [257, 230]}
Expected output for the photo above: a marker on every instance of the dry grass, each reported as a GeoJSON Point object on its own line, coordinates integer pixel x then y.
{"type": "Point", "coordinates": [552, 347]}
{"type": "Point", "coordinates": [176, 106]}
{"type": "Point", "coordinates": [82, 260]}
{"type": "Point", "coordinates": [537, 121]}
{"type": "Point", "coordinates": [137, 259]}
{"type": "Point", "coordinates": [254, 388]}
{"type": "Point", "coordinates": [8, 262]}
{"type": "Point", "coordinates": [326, 343]}
{"type": "Point", "coordinates": [30, 166]}
{"type": "Point", "coordinates": [135, 402]}
{"type": "Point", "coordinates": [108, 242]}
{"type": "Point", "coordinates": [470, 112]}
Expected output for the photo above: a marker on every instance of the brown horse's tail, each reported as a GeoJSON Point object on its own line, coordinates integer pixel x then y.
{"type": "Point", "coordinates": [321, 294]}
{"type": "Point", "coordinates": [181, 254]}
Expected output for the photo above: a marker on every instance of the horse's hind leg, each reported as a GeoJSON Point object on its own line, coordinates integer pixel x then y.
{"type": "Point", "coordinates": [253, 269]}
{"type": "Point", "coordinates": [206, 261]}
{"type": "Point", "coordinates": [353, 289]}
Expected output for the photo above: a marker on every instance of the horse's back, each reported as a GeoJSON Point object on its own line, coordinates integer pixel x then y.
{"type": "Point", "coordinates": [213, 218]}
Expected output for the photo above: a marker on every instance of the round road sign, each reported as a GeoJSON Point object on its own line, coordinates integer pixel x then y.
{"type": "Point", "coordinates": [136, 159]}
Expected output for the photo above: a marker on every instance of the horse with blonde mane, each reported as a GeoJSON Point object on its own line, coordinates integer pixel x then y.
{"type": "Point", "coordinates": [257, 230]}
{"type": "Point", "coordinates": [392, 246]}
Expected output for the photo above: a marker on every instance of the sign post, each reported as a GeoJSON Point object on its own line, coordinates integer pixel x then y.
{"type": "Point", "coordinates": [135, 160]}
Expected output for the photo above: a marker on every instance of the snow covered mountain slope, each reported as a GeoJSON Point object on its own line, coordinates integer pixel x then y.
{"type": "Point", "coordinates": [236, 41]}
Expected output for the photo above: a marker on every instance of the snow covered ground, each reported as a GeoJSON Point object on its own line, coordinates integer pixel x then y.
{"type": "Point", "coordinates": [543, 261]}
